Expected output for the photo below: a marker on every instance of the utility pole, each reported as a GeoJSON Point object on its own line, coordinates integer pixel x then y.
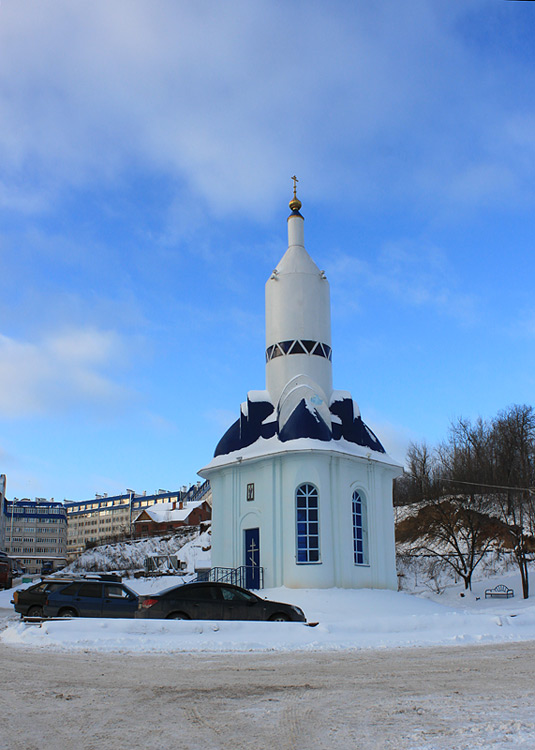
{"type": "Point", "coordinates": [15, 499]}
{"type": "Point", "coordinates": [131, 495]}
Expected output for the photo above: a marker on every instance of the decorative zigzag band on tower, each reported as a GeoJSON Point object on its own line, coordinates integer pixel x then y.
{"type": "Point", "coordinates": [299, 346]}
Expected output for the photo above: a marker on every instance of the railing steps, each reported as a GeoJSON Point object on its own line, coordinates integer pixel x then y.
{"type": "Point", "coordinates": [246, 576]}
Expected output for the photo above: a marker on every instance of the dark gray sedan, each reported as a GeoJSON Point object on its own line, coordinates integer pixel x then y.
{"type": "Point", "coordinates": [215, 601]}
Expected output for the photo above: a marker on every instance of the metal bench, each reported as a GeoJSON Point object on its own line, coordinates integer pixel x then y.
{"type": "Point", "coordinates": [500, 592]}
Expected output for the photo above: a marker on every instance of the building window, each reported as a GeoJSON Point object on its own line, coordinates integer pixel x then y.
{"type": "Point", "coordinates": [250, 491]}
{"type": "Point", "coordinates": [308, 540]}
{"type": "Point", "coordinates": [360, 530]}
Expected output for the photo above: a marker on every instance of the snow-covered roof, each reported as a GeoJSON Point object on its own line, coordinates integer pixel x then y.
{"type": "Point", "coordinates": [163, 512]}
{"type": "Point", "coordinates": [306, 424]}
{"type": "Point", "coordinates": [267, 447]}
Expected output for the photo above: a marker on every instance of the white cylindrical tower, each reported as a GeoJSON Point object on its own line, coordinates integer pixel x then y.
{"type": "Point", "coordinates": [298, 316]}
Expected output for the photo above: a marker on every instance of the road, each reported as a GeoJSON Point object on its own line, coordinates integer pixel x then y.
{"type": "Point", "coordinates": [405, 699]}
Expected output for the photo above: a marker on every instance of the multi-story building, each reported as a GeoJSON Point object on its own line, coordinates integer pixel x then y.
{"type": "Point", "coordinates": [2, 512]}
{"type": "Point", "coordinates": [35, 533]}
{"type": "Point", "coordinates": [110, 518]}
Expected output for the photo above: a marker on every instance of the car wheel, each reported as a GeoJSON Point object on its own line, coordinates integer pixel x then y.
{"type": "Point", "coordinates": [279, 617]}
{"type": "Point", "coordinates": [178, 616]}
{"type": "Point", "coordinates": [35, 611]}
{"type": "Point", "coordinates": [68, 612]}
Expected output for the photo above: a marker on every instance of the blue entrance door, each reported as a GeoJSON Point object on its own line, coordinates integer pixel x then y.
{"type": "Point", "coordinates": [252, 558]}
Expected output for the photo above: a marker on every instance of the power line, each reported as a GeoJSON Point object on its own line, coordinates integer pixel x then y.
{"type": "Point", "coordinates": [490, 486]}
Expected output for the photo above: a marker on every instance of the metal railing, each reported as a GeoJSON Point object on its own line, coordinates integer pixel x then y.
{"type": "Point", "coordinates": [246, 576]}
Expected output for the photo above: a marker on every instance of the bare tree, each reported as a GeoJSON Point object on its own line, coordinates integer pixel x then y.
{"type": "Point", "coordinates": [513, 473]}
{"type": "Point", "coordinates": [495, 460]}
{"type": "Point", "coordinates": [419, 481]}
{"type": "Point", "coordinates": [452, 526]}
{"type": "Point", "coordinates": [455, 529]}
{"type": "Point", "coordinates": [454, 523]}
{"type": "Point", "coordinates": [478, 487]}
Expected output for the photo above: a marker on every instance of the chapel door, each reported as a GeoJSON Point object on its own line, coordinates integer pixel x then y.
{"type": "Point", "coordinates": [252, 558]}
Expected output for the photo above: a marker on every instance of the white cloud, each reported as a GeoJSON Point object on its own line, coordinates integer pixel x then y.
{"type": "Point", "coordinates": [416, 274]}
{"type": "Point", "coordinates": [60, 372]}
{"type": "Point", "coordinates": [18, 198]}
{"type": "Point", "coordinates": [158, 423]}
{"type": "Point", "coordinates": [524, 326]}
{"type": "Point", "coordinates": [227, 98]}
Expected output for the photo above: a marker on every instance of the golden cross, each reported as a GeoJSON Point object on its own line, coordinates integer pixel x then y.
{"type": "Point", "coordinates": [294, 178]}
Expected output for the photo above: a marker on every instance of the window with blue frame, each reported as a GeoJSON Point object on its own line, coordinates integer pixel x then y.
{"type": "Point", "coordinates": [360, 530]}
{"type": "Point", "coordinates": [308, 537]}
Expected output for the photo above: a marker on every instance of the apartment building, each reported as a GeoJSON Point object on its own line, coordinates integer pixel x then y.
{"type": "Point", "coordinates": [2, 512]}
{"type": "Point", "coordinates": [107, 519]}
{"type": "Point", "coordinates": [35, 532]}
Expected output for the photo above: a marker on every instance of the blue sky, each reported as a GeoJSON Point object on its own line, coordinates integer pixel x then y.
{"type": "Point", "coordinates": [146, 150]}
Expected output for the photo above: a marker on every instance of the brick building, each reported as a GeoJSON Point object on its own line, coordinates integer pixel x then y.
{"type": "Point", "coordinates": [166, 517]}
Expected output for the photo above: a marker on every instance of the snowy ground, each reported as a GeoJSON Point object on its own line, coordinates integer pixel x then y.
{"type": "Point", "coordinates": [361, 619]}
{"type": "Point", "coordinates": [480, 697]}
{"type": "Point", "coordinates": [381, 671]}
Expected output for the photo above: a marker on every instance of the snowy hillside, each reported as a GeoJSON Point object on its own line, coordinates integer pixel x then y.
{"type": "Point", "coordinates": [190, 547]}
{"type": "Point", "coordinates": [437, 545]}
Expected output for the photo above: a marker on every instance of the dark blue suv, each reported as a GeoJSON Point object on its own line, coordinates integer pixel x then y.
{"type": "Point", "coordinates": [91, 599]}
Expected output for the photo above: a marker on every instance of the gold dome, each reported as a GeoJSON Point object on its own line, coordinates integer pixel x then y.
{"type": "Point", "coordinates": [295, 204]}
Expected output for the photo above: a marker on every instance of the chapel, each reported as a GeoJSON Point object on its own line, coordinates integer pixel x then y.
{"type": "Point", "coordinates": [301, 486]}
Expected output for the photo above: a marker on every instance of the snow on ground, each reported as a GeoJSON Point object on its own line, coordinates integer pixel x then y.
{"type": "Point", "coordinates": [416, 700]}
{"type": "Point", "coordinates": [348, 619]}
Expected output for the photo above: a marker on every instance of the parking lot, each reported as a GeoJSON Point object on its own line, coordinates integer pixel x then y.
{"type": "Point", "coordinates": [418, 699]}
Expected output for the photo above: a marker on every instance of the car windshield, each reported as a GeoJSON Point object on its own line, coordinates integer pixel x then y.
{"type": "Point", "coordinates": [52, 586]}
{"type": "Point", "coordinates": [38, 587]}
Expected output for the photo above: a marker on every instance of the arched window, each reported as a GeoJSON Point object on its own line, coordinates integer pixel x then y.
{"type": "Point", "coordinates": [360, 530]}
{"type": "Point", "coordinates": [308, 538]}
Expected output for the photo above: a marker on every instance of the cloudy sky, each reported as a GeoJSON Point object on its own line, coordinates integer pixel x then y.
{"type": "Point", "coordinates": [146, 149]}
